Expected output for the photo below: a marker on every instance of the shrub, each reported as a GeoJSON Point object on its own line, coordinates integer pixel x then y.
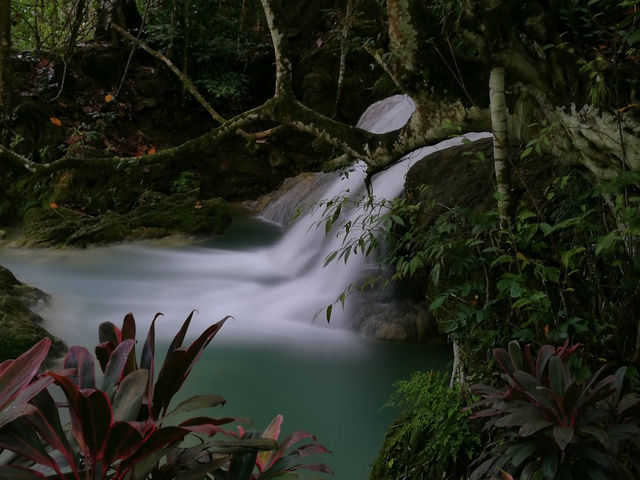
{"type": "Point", "coordinates": [123, 428]}
{"type": "Point", "coordinates": [547, 424]}
{"type": "Point", "coordinates": [432, 438]}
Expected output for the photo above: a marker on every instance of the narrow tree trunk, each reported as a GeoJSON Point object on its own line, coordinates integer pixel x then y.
{"type": "Point", "coordinates": [75, 28]}
{"type": "Point", "coordinates": [280, 46]}
{"type": "Point", "coordinates": [499, 126]}
{"type": "Point", "coordinates": [346, 26]}
{"type": "Point", "coordinates": [5, 44]}
{"type": "Point", "coordinates": [457, 372]}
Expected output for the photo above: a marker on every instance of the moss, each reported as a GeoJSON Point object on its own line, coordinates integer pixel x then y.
{"type": "Point", "coordinates": [19, 329]}
{"type": "Point", "coordinates": [156, 215]}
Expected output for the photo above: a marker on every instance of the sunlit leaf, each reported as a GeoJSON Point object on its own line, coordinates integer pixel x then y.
{"type": "Point", "coordinates": [56, 121]}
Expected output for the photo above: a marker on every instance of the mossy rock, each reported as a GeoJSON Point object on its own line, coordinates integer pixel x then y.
{"type": "Point", "coordinates": [19, 326]}
{"type": "Point", "coordinates": [156, 216]}
{"type": "Point", "coordinates": [183, 213]}
{"type": "Point", "coordinates": [50, 226]}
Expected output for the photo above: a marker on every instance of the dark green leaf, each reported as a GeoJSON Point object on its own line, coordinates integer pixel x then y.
{"type": "Point", "coordinates": [115, 368]}
{"type": "Point", "coordinates": [127, 400]}
{"type": "Point", "coordinates": [524, 452]}
{"type": "Point", "coordinates": [557, 376]}
{"type": "Point", "coordinates": [550, 465]}
{"type": "Point", "coordinates": [14, 472]}
{"type": "Point", "coordinates": [563, 436]}
{"type": "Point", "coordinates": [197, 402]}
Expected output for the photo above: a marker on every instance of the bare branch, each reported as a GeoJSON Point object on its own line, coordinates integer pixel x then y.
{"type": "Point", "coordinates": [183, 78]}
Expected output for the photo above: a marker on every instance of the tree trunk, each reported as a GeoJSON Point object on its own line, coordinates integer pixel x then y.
{"type": "Point", "coordinates": [5, 44]}
{"type": "Point", "coordinates": [75, 28]}
{"type": "Point", "coordinates": [499, 127]}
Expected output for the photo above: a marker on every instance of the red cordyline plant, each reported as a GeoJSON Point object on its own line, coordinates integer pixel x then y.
{"type": "Point", "coordinates": [118, 429]}
{"type": "Point", "coordinates": [549, 425]}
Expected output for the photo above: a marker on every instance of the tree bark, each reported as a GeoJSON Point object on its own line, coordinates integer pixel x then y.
{"type": "Point", "coordinates": [378, 151]}
{"type": "Point", "coordinates": [499, 127]}
{"type": "Point", "coordinates": [5, 45]}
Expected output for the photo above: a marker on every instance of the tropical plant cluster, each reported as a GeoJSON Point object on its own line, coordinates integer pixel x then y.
{"type": "Point", "coordinates": [551, 424]}
{"type": "Point", "coordinates": [121, 427]}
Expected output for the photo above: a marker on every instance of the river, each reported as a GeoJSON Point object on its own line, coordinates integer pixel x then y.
{"type": "Point", "coordinates": [272, 357]}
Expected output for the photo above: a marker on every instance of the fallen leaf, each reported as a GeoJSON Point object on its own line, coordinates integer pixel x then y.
{"type": "Point", "coordinates": [56, 121]}
{"type": "Point", "coordinates": [62, 104]}
{"type": "Point", "coordinates": [53, 205]}
{"type": "Point", "coordinates": [108, 98]}
{"type": "Point", "coordinates": [151, 151]}
{"type": "Point", "coordinates": [505, 475]}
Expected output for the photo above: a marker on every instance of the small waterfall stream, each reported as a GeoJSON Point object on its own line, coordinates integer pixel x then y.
{"type": "Point", "coordinates": [303, 249]}
{"type": "Point", "coordinates": [271, 358]}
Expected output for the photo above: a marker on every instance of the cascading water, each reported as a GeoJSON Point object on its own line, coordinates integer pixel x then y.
{"type": "Point", "coordinates": [304, 248]}
{"type": "Point", "coordinates": [271, 358]}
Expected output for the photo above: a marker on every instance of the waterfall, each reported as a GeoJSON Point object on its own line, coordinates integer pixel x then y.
{"type": "Point", "coordinates": [304, 247]}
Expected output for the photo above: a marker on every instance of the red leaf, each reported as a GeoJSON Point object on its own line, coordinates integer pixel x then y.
{"type": "Point", "coordinates": [152, 444]}
{"type": "Point", "coordinates": [19, 373]}
{"type": "Point", "coordinates": [108, 332]}
{"type": "Point", "coordinates": [46, 419]}
{"type": "Point", "coordinates": [95, 416]}
{"type": "Point", "coordinates": [81, 360]}
{"type": "Point", "coordinates": [122, 441]}
{"type": "Point", "coordinates": [19, 437]}
{"type": "Point", "coordinates": [115, 368]}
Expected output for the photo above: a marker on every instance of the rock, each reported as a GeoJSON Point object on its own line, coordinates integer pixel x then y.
{"type": "Point", "coordinates": [3, 234]}
{"type": "Point", "coordinates": [453, 178]}
{"type": "Point", "coordinates": [394, 320]}
{"type": "Point", "coordinates": [19, 326]}
{"type": "Point", "coordinates": [157, 215]}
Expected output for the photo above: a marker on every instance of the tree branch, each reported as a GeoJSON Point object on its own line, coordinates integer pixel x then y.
{"type": "Point", "coordinates": [183, 78]}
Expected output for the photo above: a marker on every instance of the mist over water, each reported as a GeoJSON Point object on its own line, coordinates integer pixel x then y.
{"type": "Point", "coordinates": [272, 357]}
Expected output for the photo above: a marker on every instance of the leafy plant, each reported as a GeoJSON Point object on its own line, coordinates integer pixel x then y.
{"type": "Point", "coordinates": [19, 382]}
{"type": "Point", "coordinates": [123, 428]}
{"type": "Point", "coordinates": [284, 460]}
{"type": "Point", "coordinates": [433, 437]}
{"type": "Point", "coordinates": [550, 425]}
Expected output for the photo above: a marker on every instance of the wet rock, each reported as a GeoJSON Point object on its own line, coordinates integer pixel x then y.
{"type": "Point", "coordinates": [19, 325]}
{"type": "Point", "coordinates": [395, 320]}
{"type": "Point", "coordinates": [458, 176]}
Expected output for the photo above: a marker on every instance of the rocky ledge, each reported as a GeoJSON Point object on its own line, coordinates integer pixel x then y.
{"type": "Point", "coordinates": [19, 326]}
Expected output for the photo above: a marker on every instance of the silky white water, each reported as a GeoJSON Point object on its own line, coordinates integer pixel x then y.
{"type": "Point", "coordinates": [272, 357]}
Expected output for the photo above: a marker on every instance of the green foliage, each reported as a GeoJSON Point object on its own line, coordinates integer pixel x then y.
{"type": "Point", "coordinates": [47, 26]}
{"type": "Point", "coordinates": [564, 269]}
{"type": "Point", "coordinates": [551, 425]}
{"type": "Point", "coordinates": [212, 41]}
{"type": "Point", "coordinates": [186, 182]}
{"type": "Point", "coordinates": [604, 36]}
{"type": "Point", "coordinates": [433, 437]}
{"type": "Point", "coordinates": [122, 428]}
